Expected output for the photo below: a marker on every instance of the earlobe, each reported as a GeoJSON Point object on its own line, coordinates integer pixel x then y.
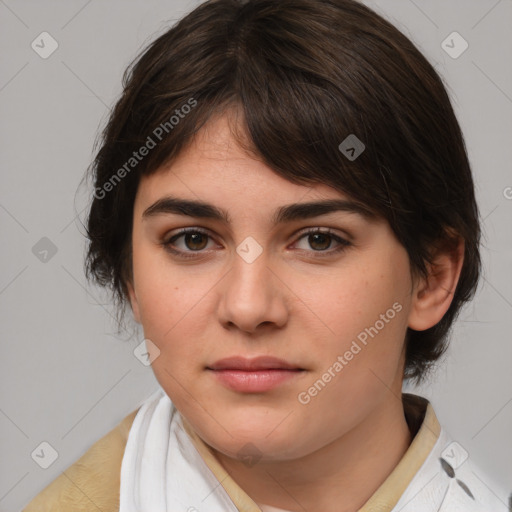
{"type": "Point", "coordinates": [432, 295]}
{"type": "Point", "coordinates": [134, 302]}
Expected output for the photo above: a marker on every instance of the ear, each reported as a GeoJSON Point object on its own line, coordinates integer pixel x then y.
{"type": "Point", "coordinates": [433, 295]}
{"type": "Point", "coordinates": [133, 302]}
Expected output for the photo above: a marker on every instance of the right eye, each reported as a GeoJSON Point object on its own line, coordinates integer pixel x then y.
{"type": "Point", "coordinates": [191, 240]}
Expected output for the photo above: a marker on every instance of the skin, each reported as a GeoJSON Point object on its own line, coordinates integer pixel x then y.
{"type": "Point", "coordinates": [332, 453]}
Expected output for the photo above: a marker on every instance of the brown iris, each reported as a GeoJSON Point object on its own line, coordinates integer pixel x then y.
{"type": "Point", "coordinates": [318, 238]}
{"type": "Point", "coordinates": [193, 241]}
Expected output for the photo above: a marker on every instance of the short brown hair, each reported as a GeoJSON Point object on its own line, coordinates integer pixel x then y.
{"type": "Point", "coordinates": [305, 74]}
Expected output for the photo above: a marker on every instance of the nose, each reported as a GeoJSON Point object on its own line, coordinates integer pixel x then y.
{"type": "Point", "coordinates": [252, 296]}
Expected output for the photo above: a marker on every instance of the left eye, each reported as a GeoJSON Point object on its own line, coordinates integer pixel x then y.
{"type": "Point", "coordinates": [321, 241]}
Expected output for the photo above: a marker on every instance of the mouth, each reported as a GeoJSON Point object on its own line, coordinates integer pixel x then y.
{"type": "Point", "coordinates": [256, 375]}
{"type": "Point", "coordinates": [255, 364]}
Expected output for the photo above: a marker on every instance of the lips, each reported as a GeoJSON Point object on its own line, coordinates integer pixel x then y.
{"type": "Point", "coordinates": [255, 364]}
{"type": "Point", "coordinates": [257, 375]}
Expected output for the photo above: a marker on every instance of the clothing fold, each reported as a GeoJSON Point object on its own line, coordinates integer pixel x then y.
{"type": "Point", "coordinates": [161, 470]}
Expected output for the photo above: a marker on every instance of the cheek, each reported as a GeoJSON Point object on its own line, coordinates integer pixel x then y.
{"type": "Point", "coordinates": [354, 300]}
{"type": "Point", "coordinates": [170, 312]}
{"type": "Point", "coordinates": [165, 298]}
{"type": "Point", "coordinates": [164, 292]}
{"type": "Point", "coordinates": [364, 314]}
{"type": "Point", "coordinates": [358, 360]}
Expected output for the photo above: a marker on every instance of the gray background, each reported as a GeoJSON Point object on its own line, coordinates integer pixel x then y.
{"type": "Point", "coordinates": [66, 378]}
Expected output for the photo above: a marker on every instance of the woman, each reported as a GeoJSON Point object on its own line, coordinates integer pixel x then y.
{"type": "Point", "coordinates": [284, 200]}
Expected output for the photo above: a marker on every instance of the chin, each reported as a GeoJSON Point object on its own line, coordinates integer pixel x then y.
{"type": "Point", "coordinates": [246, 436]}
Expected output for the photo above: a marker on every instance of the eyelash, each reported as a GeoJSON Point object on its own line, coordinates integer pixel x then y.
{"type": "Point", "coordinates": [167, 244]}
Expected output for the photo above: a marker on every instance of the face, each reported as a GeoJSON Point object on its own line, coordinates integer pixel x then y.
{"type": "Point", "coordinates": [278, 326]}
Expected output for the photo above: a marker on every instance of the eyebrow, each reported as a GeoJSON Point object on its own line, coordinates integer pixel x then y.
{"type": "Point", "coordinates": [287, 213]}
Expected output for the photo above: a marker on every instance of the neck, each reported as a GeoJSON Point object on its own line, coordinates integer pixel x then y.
{"type": "Point", "coordinates": [340, 477]}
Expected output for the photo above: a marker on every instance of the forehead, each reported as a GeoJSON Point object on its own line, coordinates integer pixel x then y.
{"type": "Point", "coordinates": [215, 167]}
